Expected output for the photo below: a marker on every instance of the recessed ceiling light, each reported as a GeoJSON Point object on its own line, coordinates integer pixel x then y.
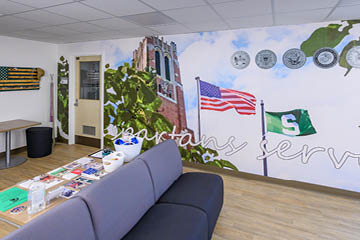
{"type": "Point", "coordinates": [150, 19]}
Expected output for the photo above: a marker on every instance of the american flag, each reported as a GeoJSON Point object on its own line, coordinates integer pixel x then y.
{"type": "Point", "coordinates": [222, 99]}
{"type": "Point", "coordinates": [13, 78]}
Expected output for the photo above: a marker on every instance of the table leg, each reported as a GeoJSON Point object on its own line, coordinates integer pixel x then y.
{"type": "Point", "coordinates": [10, 161]}
{"type": "Point", "coordinates": [8, 147]}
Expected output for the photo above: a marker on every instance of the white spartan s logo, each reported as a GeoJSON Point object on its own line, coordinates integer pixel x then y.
{"type": "Point", "coordinates": [290, 126]}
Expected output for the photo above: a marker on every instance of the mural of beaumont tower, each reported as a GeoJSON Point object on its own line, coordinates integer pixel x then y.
{"type": "Point", "coordinates": [161, 56]}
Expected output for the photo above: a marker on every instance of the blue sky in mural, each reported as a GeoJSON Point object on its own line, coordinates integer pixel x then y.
{"type": "Point", "coordinates": [187, 41]}
{"type": "Point", "coordinates": [344, 42]}
{"type": "Point", "coordinates": [226, 80]}
{"type": "Point", "coordinates": [184, 41]}
{"type": "Point", "coordinates": [111, 119]}
{"type": "Point", "coordinates": [190, 103]}
{"type": "Point", "coordinates": [115, 108]}
{"type": "Point", "coordinates": [278, 34]}
{"type": "Point", "coordinates": [209, 37]}
{"type": "Point", "coordinates": [122, 61]}
{"type": "Point", "coordinates": [280, 70]}
{"type": "Point", "coordinates": [241, 42]}
{"type": "Point", "coordinates": [308, 61]}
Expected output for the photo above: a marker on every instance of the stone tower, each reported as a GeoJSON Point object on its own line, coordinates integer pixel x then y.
{"type": "Point", "coordinates": [162, 57]}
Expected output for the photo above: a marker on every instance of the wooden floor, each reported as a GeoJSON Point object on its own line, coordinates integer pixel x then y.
{"type": "Point", "coordinates": [253, 210]}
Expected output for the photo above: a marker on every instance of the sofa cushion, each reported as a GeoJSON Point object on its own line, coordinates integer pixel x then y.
{"type": "Point", "coordinates": [69, 220]}
{"type": "Point", "coordinates": [204, 191]}
{"type": "Point", "coordinates": [165, 165]}
{"type": "Point", "coordinates": [119, 200]}
{"type": "Point", "coordinates": [171, 221]}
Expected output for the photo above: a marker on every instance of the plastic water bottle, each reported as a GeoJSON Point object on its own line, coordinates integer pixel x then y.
{"type": "Point", "coordinates": [36, 196]}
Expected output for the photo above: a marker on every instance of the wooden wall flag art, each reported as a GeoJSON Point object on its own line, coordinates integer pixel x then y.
{"type": "Point", "coordinates": [20, 78]}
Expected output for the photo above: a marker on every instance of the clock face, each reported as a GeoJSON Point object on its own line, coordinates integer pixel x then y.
{"type": "Point", "coordinates": [240, 59]}
{"type": "Point", "coordinates": [294, 58]}
{"type": "Point", "coordinates": [325, 57]}
{"type": "Point", "coordinates": [353, 57]}
{"type": "Point", "coordinates": [265, 59]}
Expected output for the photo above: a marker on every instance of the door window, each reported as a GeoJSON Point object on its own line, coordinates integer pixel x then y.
{"type": "Point", "coordinates": [89, 80]}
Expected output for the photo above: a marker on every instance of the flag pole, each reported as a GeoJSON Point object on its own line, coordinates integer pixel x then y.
{"type": "Point", "coordinates": [263, 137]}
{"type": "Point", "coordinates": [198, 103]}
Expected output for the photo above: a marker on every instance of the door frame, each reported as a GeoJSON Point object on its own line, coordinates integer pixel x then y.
{"type": "Point", "coordinates": [72, 93]}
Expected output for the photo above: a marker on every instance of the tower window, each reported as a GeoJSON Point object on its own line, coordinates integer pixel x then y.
{"type": "Point", "coordinates": [157, 62]}
{"type": "Point", "coordinates": [167, 68]}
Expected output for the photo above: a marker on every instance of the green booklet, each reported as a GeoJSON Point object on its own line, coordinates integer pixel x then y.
{"type": "Point", "coordinates": [12, 197]}
{"type": "Point", "coordinates": [57, 171]}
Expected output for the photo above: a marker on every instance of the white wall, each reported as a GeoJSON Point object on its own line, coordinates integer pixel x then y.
{"type": "Point", "coordinates": [30, 105]}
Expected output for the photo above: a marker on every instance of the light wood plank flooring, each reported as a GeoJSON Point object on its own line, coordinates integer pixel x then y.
{"type": "Point", "coordinates": [253, 210]}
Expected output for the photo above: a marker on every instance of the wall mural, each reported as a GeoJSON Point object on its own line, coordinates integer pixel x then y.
{"type": "Point", "coordinates": [63, 100]}
{"type": "Point", "coordinates": [132, 106]}
{"type": "Point", "coordinates": [278, 101]}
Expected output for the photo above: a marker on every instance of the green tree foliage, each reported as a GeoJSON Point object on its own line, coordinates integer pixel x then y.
{"type": "Point", "coordinates": [329, 36]}
{"type": "Point", "coordinates": [131, 101]}
{"type": "Point", "coordinates": [63, 95]}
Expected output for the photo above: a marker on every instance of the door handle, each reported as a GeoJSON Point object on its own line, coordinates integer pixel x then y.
{"type": "Point", "coordinates": [76, 103]}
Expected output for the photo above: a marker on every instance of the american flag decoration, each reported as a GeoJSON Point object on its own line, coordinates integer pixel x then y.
{"type": "Point", "coordinates": [222, 99]}
{"type": "Point", "coordinates": [20, 78]}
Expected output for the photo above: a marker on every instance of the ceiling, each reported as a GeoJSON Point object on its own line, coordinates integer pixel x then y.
{"type": "Point", "coordinates": [66, 21]}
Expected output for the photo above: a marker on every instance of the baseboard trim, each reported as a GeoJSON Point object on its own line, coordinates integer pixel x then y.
{"type": "Point", "coordinates": [288, 183]}
{"type": "Point", "coordinates": [14, 151]}
{"type": "Point", "coordinates": [60, 139]}
{"type": "Point", "coordinates": [92, 142]}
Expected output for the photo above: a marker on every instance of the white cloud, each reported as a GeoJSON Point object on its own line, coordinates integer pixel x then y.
{"type": "Point", "coordinates": [122, 49]}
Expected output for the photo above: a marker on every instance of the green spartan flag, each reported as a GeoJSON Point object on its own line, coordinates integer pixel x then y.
{"type": "Point", "coordinates": [292, 123]}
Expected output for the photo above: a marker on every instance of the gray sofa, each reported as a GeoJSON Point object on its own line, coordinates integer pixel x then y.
{"type": "Point", "coordinates": [147, 199]}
